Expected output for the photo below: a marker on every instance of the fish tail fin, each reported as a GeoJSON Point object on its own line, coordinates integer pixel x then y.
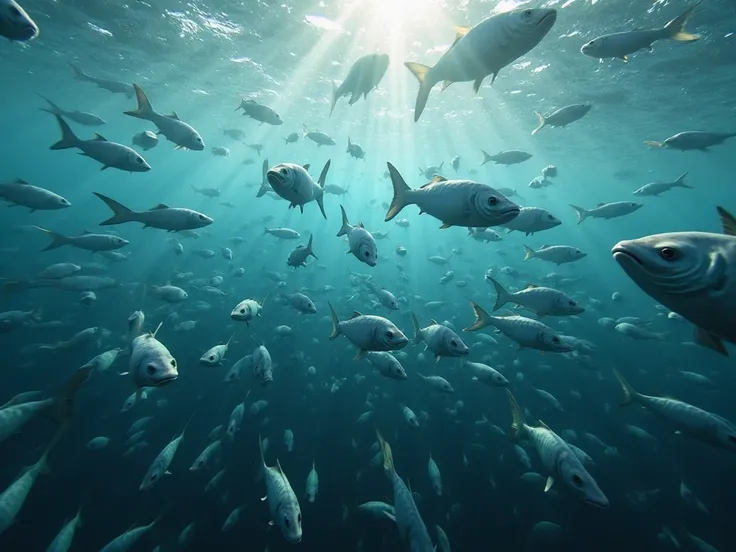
{"type": "Point", "coordinates": [388, 457]}
{"type": "Point", "coordinates": [542, 123]}
{"type": "Point", "coordinates": [517, 415]}
{"type": "Point", "coordinates": [528, 253]}
{"type": "Point", "coordinates": [680, 182]}
{"type": "Point", "coordinates": [309, 247]}
{"type": "Point", "coordinates": [582, 213]}
{"type": "Point", "coordinates": [334, 98]}
{"type": "Point", "coordinates": [482, 318]}
{"type": "Point", "coordinates": [502, 296]}
{"type": "Point", "coordinates": [320, 196]}
{"type": "Point", "coordinates": [401, 191]}
{"type": "Point", "coordinates": [421, 72]}
{"type": "Point", "coordinates": [54, 110]}
{"type": "Point", "coordinates": [120, 212]}
{"type": "Point", "coordinates": [675, 29]}
{"type": "Point", "coordinates": [654, 144]}
{"type": "Point", "coordinates": [486, 157]}
{"type": "Point", "coordinates": [57, 240]}
{"type": "Point", "coordinates": [78, 73]}
{"type": "Point", "coordinates": [144, 109]}
{"type": "Point", "coordinates": [260, 451]}
{"type": "Point", "coordinates": [345, 228]}
{"type": "Point", "coordinates": [629, 393]}
{"type": "Point", "coordinates": [68, 138]}
{"type": "Point", "coordinates": [264, 181]}
{"type": "Point", "coordinates": [335, 322]}
{"type": "Point", "coordinates": [417, 330]}
{"type": "Point", "coordinates": [63, 406]}
{"type": "Point", "coordinates": [265, 230]}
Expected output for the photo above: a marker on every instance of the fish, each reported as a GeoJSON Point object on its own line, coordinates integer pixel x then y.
{"type": "Point", "coordinates": [360, 241]}
{"type": "Point", "coordinates": [690, 273]}
{"type": "Point", "coordinates": [542, 301]}
{"type": "Point", "coordinates": [453, 202]}
{"type": "Point", "coordinates": [294, 184]}
{"type": "Point", "coordinates": [507, 157]}
{"type": "Point", "coordinates": [483, 50]}
{"type": "Point", "coordinates": [558, 254]}
{"type": "Point", "coordinates": [88, 241]}
{"type": "Point", "coordinates": [656, 188]}
{"type": "Point", "coordinates": [698, 140]}
{"type": "Point", "coordinates": [364, 75]}
{"type": "Point", "coordinates": [557, 457]}
{"type": "Point", "coordinates": [282, 501]}
{"type": "Point", "coordinates": [173, 219]}
{"type": "Point", "coordinates": [160, 465]}
{"type": "Point", "coordinates": [355, 150]}
{"type": "Point", "coordinates": [690, 420]}
{"type": "Point", "coordinates": [174, 129]}
{"type": "Point", "coordinates": [319, 138]}
{"type": "Point", "coordinates": [15, 23]}
{"type": "Point", "coordinates": [151, 364]}
{"type": "Point", "coordinates": [259, 112]}
{"type": "Point", "coordinates": [368, 332]}
{"type": "Point", "coordinates": [439, 339]}
{"type": "Point", "coordinates": [607, 210]}
{"type": "Point", "coordinates": [282, 233]}
{"type": "Point", "coordinates": [146, 140]}
{"type": "Point", "coordinates": [20, 192]}
{"type": "Point", "coordinates": [531, 220]}
{"type": "Point", "coordinates": [81, 117]}
{"type": "Point", "coordinates": [109, 154]}
{"type": "Point", "coordinates": [622, 44]}
{"type": "Point", "coordinates": [298, 257]}
{"type": "Point", "coordinates": [562, 117]}
{"type": "Point", "coordinates": [114, 86]}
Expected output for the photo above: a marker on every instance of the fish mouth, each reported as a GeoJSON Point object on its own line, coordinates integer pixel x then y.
{"type": "Point", "coordinates": [274, 178]}
{"type": "Point", "coordinates": [165, 380]}
{"type": "Point", "coordinates": [620, 253]}
{"type": "Point", "coordinates": [551, 15]}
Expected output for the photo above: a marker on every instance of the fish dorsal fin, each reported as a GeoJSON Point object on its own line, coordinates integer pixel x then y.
{"type": "Point", "coordinates": [21, 181]}
{"type": "Point", "coordinates": [157, 329]}
{"type": "Point", "coordinates": [600, 205]}
{"type": "Point", "coordinates": [355, 314]}
{"type": "Point", "coordinates": [278, 467]}
{"type": "Point", "coordinates": [542, 424]}
{"type": "Point", "coordinates": [438, 178]}
{"type": "Point", "coordinates": [434, 322]}
{"type": "Point", "coordinates": [173, 116]}
{"type": "Point", "coordinates": [361, 225]}
{"type": "Point", "coordinates": [306, 167]}
{"type": "Point", "coordinates": [728, 222]}
{"type": "Point", "coordinates": [530, 286]}
{"type": "Point", "coordinates": [545, 246]}
{"type": "Point", "coordinates": [99, 138]}
{"type": "Point", "coordinates": [548, 485]}
{"type": "Point", "coordinates": [460, 31]}
{"type": "Point", "coordinates": [159, 207]}
{"type": "Point", "coordinates": [85, 232]}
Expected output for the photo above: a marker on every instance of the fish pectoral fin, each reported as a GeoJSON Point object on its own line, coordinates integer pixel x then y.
{"type": "Point", "coordinates": [264, 500]}
{"type": "Point", "coordinates": [167, 472]}
{"type": "Point", "coordinates": [445, 226]}
{"type": "Point", "coordinates": [390, 516]}
{"type": "Point", "coordinates": [460, 31]}
{"type": "Point", "coordinates": [360, 355]}
{"type": "Point", "coordinates": [445, 84]}
{"type": "Point", "coordinates": [548, 485]}
{"type": "Point", "coordinates": [478, 82]}
{"type": "Point", "coordinates": [710, 341]}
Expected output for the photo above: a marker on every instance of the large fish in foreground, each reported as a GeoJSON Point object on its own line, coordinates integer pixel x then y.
{"type": "Point", "coordinates": [483, 50]}
{"type": "Point", "coordinates": [15, 23]}
{"type": "Point", "coordinates": [282, 501]}
{"type": "Point", "coordinates": [364, 75]}
{"type": "Point", "coordinates": [295, 184]}
{"type": "Point", "coordinates": [454, 202]}
{"type": "Point", "coordinates": [406, 514]}
{"type": "Point", "coordinates": [690, 273]}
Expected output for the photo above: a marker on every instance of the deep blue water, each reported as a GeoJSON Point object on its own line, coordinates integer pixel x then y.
{"type": "Point", "coordinates": [196, 58]}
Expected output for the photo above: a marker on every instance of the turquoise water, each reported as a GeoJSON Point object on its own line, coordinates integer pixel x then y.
{"type": "Point", "coordinates": [198, 59]}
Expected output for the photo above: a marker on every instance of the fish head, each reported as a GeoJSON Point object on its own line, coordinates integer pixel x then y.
{"type": "Point", "coordinates": [547, 220]}
{"type": "Point", "coordinates": [579, 480]}
{"type": "Point", "coordinates": [62, 203]}
{"type": "Point", "coordinates": [15, 23]}
{"type": "Point", "coordinates": [391, 337]}
{"type": "Point", "coordinates": [211, 357]}
{"type": "Point", "coordinates": [155, 366]}
{"type": "Point", "coordinates": [134, 162]}
{"type": "Point", "coordinates": [380, 65]}
{"type": "Point", "coordinates": [675, 266]}
{"type": "Point", "coordinates": [533, 23]}
{"type": "Point", "coordinates": [199, 220]}
{"type": "Point", "coordinates": [289, 518]}
{"type": "Point", "coordinates": [275, 119]}
{"type": "Point", "coordinates": [193, 141]}
{"type": "Point", "coordinates": [242, 311]}
{"type": "Point", "coordinates": [118, 241]}
{"type": "Point", "coordinates": [569, 306]}
{"type": "Point", "coordinates": [397, 371]}
{"type": "Point", "coordinates": [454, 345]}
{"type": "Point", "coordinates": [552, 341]}
{"type": "Point", "coordinates": [726, 435]}
{"type": "Point", "coordinates": [595, 48]}
{"type": "Point", "coordinates": [495, 207]}
{"type": "Point", "coordinates": [368, 252]}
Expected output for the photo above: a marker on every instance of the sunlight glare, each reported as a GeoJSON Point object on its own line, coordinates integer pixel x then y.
{"type": "Point", "coordinates": [398, 8]}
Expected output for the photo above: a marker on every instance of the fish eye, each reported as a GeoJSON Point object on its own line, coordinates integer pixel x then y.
{"type": "Point", "coordinates": [492, 201]}
{"type": "Point", "coordinates": [577, 480]}
{"type": "Point", "coordinates": [173, 362]}
{"type": "Point", "coordinates": [299, 518]}
{"type": "Point", "coordinates": [212, 357]}
{"type": "Point", "coordinates": [14, 11]}
{"type": "Point", "coordinates": [453, 343]}
{"type": "Point", "coordinates": [555, 339]}
{"type": "Point", "coordinates": [139, 160]}
{"type": "Point", "coordinates": [591, 43]}
{"type": "Point", "coordinates": [287, 521]}
{"type": "Point", "coordinates": [242, 311]}
{"type": "Point", "coordinates": [668, 253]}
{"type": "Point", "coordinates": [283, 171]}
{"type": "Point", "coordinates": [527, 13]}
{"type": "Point", "coordinates": [390, 334]}
{"type": "Point", "coordinates": [153, 477]}
{"type": "Point", "coordinates": [367, 254]}
{"type": "Point", "coordinates": [201, 217]}
{"type": "Point", "coordinates": [571, 303]}
{"type": "Point", "coordinates": [151, 369]}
